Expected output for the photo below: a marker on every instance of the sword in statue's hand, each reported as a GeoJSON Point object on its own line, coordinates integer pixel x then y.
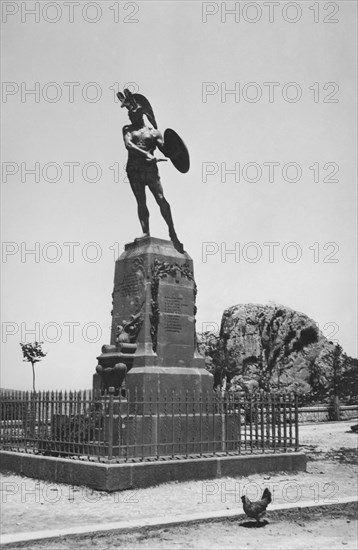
{"type": "Point", "coordinates": [154, 159]}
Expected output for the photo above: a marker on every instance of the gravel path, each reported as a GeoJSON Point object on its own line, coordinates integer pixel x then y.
{"type": "Point", "coordinates": [31, 505]}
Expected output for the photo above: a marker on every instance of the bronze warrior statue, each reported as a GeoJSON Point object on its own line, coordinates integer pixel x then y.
{"type": "Point", "coordinates": [141, 140]}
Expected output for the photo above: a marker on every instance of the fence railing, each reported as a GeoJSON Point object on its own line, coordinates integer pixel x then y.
{"type": "Point", "coordinates": [94, 426]}
{"type": "Point", "coordinates": [326, 413]}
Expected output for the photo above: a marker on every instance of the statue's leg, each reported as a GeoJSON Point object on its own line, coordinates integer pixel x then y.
{"type": "Point", "coordinates": [138, 189]}
{"type": "Point", "coordinates": [158, 193]}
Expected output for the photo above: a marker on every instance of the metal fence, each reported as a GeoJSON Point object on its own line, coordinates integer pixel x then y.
{"type": "Point", "coordinates": [104, 427]}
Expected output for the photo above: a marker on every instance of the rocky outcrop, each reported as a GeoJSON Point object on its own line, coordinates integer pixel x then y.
{"type": "Point", "coordinates": [275, 348]}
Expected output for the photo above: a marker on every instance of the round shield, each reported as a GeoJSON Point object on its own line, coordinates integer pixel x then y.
{"type": "Point", "coordinates": [175, 149]}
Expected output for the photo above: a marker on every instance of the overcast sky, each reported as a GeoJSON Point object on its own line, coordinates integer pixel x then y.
{"type": "Point", "coordinates": [288, 136]}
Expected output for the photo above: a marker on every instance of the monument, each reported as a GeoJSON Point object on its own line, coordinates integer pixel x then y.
{"type": "Point", "coordinates": [153, 407]}
{"type": "Point", "coordinates": [152, 351]}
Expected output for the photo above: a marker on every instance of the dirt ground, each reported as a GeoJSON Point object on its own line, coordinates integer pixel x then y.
{"type": "Point", "coordinates": [31, 505]}
{"type": "Point", "coordinates": [284, 531]}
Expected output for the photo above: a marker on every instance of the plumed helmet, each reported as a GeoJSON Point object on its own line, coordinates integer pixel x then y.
{"type": "Point", "coordinates": [137, 101]}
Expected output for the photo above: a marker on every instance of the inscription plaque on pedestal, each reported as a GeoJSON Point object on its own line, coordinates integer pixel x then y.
{"type": "Point", "coordinates": [176, 330]}
{"type": "Point", "coordinates": [172, 323]}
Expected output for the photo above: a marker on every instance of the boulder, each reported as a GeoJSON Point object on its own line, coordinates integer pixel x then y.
{"type": "Point", "coordinates": [274, 347]}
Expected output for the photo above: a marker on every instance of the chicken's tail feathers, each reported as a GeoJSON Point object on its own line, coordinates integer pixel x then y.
{"type": "Point", "coordinates": [267, 495]}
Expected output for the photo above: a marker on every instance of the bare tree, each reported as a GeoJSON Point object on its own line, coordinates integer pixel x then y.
{"type": "Point", "coordinates": [33, 353]}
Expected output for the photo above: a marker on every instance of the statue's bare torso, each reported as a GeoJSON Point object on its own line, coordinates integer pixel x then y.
{"type": "Point", "coordinates": [145, 138]}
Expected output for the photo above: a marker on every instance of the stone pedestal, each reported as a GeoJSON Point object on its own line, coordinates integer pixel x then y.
{"type": "Point", "coordinates": [154, 307]}
{"type": "Point", "coordinates": [155, 283]}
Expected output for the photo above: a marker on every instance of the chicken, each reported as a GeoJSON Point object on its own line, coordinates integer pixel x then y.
{"type": "Point", "coordinates": [256, 509]}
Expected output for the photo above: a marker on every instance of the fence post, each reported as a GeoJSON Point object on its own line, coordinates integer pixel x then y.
{"type": "Point", "coordinates": [110, 422]}
{"type": "Point", "coordinates": [296, 423]}
{"type": "Point", "coordinates": [223, 404]}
